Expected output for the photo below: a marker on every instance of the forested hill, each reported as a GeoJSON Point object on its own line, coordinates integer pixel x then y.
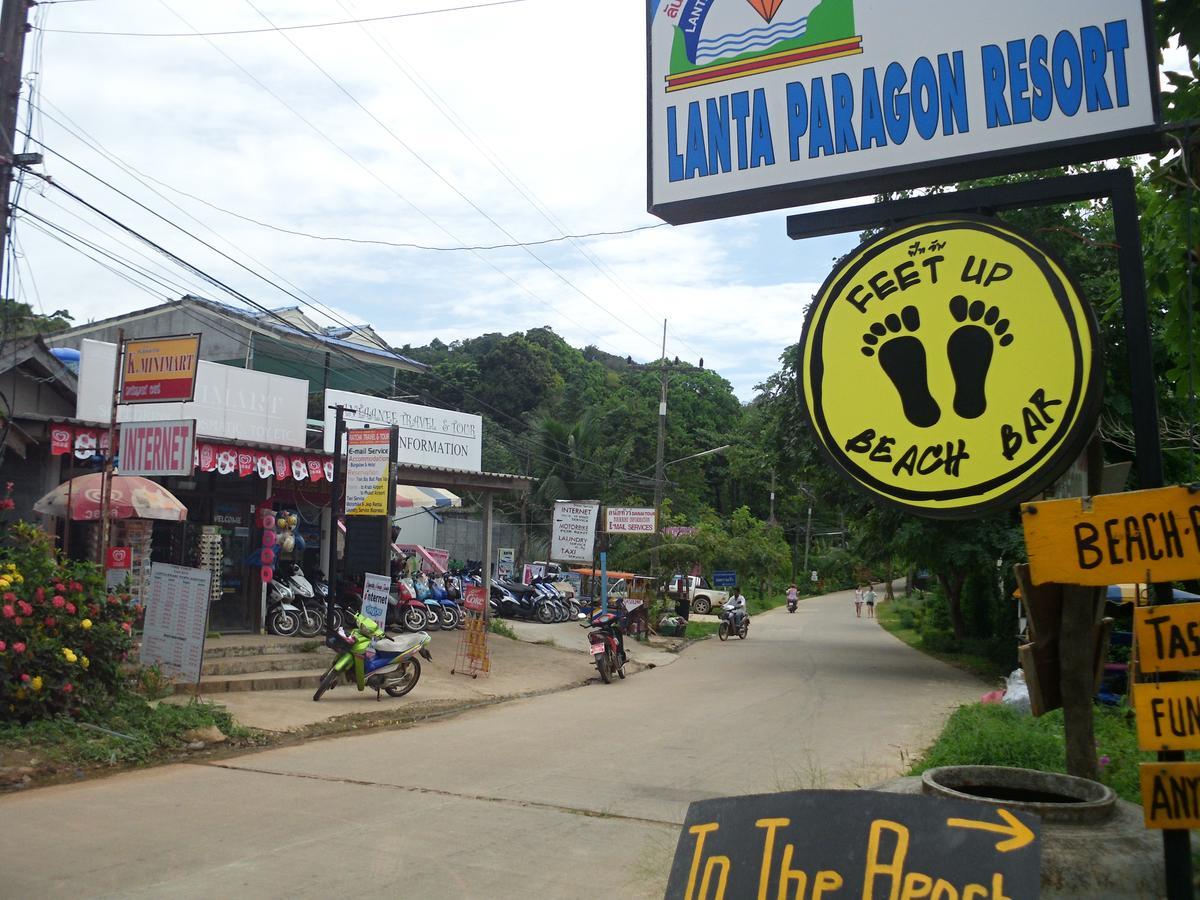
{"type": "Point", "coordinates": [585, 422]}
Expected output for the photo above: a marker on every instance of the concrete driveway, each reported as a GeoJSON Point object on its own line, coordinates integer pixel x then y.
{"type": "Point", "coordinates": [568, 795]}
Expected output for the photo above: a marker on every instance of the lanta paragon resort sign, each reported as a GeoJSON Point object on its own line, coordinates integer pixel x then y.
{"type": "Point", "coordinates": [950, 367]}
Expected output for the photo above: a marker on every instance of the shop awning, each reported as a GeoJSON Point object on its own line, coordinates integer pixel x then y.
{"type": "Point", "coordinates": [411, 497]}
{"type": "Point", "coordinates": [432, 558]}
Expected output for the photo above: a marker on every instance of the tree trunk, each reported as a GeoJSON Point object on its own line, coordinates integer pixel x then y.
{"type": "Point", "coordinates": [953, 586]}
{"type": "Point", "coordinates": [887, 585]}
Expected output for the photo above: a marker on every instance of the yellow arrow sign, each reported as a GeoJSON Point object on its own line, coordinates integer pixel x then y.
{"type": "Point", "coordinates": [1018, 834]}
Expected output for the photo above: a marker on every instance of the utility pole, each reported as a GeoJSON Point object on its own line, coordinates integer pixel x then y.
{"type": "Point", "coordinates": [807, 541]}
{"type": "Point", "coordinates": [658, 457]}
{"type": "Point", "coordinates": [771, 518]}
{"type": "Point", "coordinates": [13, 26]}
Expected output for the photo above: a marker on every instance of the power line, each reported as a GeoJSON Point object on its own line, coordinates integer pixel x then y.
{"type": "Point", "coordinates": [408, 15]}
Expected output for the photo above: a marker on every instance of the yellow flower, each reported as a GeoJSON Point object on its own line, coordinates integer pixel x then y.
{"type": "Point", "coordinates": [19, 579]}
{"type": "Point", "coordinates": [36, 683]}
{"type": "Point", "coordinates": [85, 624]}
{"type": "Point", "coordinates": [71, 657]}
{"type": "Point", "coordinates": [84, 661]}
{"type": "Point", "coordinates": [21, 695]}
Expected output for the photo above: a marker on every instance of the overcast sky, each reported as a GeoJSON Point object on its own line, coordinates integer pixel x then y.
{"type": "Point", "coordinates": [524, 121]}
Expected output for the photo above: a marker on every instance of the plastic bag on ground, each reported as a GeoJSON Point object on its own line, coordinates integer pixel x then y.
{"type": "Point", "coordinates": [1016, 692]}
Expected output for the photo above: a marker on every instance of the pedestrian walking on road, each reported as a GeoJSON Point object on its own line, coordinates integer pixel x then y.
{"type": "Point", "coordinates": [858, 601]}
{"type": "Point", "coordinates": [869, 598]}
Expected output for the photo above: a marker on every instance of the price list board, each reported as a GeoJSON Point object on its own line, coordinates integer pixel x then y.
{"type": "Point", "coordinates": [176, 620]}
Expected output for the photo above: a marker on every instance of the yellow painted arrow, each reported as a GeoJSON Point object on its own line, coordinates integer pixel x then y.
{"type": "Point", "coordinates": [1018, 833]}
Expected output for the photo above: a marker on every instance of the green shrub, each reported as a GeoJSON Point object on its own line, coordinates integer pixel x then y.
{"type": "Point", "coordinates": [937, 641]}
{"type": "Point", "coordinates": [63, 637]}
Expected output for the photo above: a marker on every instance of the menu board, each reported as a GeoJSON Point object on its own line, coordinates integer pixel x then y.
{"type": "Point", "coordinates": [176, 620]}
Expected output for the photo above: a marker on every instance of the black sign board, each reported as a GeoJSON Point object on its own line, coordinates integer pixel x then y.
{"type": "Point", "coordinates": [864, 844]}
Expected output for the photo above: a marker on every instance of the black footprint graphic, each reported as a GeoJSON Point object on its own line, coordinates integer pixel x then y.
{"type": "Point", "coordinates": [970, 350]}
{"type": "Point", "coordinates": [902, 358]}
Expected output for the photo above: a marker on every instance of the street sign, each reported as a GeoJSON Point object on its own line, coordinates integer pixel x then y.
{"type": "Point", "coordinates": [573, 531]}
{"type": "Point", "coordinates": [724, 578]}
{"type": "Point", "coordinates": [158, 448]}
{"type": "Point", "coordinates": [1168, 637]}
{"type": "Point", "coordinates": [630, 520]}
{"type": "Point", "coordinates": [1138, 536]}
{"type": "Point", "coordinates": [368, 472]}
{"type": "Point", "coordinates": [160, 370]}
{"type": "Point", "coordinates": [506, 554]}
{"type": "Point", "coordinates": [854, 844]}
{"type": "Point", "coordinates": [1170, 794]}
{"type": "Point", "coordinates": [949, 367]}
{"type": "Point", "coordinates": [376, 591]}
{"type": "Point", "coordinates": [1168, 715]}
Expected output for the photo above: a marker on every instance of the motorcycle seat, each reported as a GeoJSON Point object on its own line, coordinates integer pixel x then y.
{"type": "Point", "coordinates": [405, 643]}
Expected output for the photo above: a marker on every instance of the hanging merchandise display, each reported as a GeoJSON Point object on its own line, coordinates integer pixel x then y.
{"type": "Point", "coordinates": [210, 556]}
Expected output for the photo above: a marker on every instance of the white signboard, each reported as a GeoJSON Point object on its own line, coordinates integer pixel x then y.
{"type": "Point", "coordinates": [429, 436]}
{"type": "Point", "coordinates": [763, 104]}
{"type": "Point", "coordinates": [176, 620]}
{"type": "Point", "coordinates": [573, 531]}
{"type": "Point", "coordinates": [368, 471]}
{"type": "Point", "coordinates": [158, 448]}
{"type": "Point", "coordinates": [376, 590]}
{"type": "Point", "coordinates": [230, 402]}
{"type": "Point", "coordinates": [629, 520]}
{"type": "Point", "coordinates": [506, 554]}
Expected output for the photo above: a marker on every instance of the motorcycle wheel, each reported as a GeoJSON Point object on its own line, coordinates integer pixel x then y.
{"type": "Point", "coordinates": [433, 621]}
{"type": "Point", "coordinates": [283, 623]}
{"type": "Point", "coordinates": [621, 669]}
{"type": "Point", "coordinates": [312, 623]}
{"type": "Point", "coordinates": [723, 631]}
{"type": "Point", "coordinates": [412, 674]}
{"type": "Point", "coordinates": [602, 667]}
{"type": "Point", "coordinates": [413, 619]}
{"type": "Point", "coordinates": [327, 681]}
{"type": "Point", "coordinates": [451, 616]}
{"type": "Point", "coordinates": [744, 630]}
{"type": "Point", "coordinates": [339, 618]}
{"type": "Point", "coordinates": [545, 614]}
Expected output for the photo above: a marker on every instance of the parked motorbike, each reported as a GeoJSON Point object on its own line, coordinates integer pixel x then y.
{"type": "Point", "coordinates": [283, 616]}
{"type": "Point", "coordinates": [733, 621]}
{"type": "Point", "coordinates": [406, 610]}
{"type": "Point", "coordinates": [606, 644]}
{"type": "Point", "coordinates": [368, 657]}
{"type": "Point", "coordinates": [311, 611]}
{"type": "Point", "coordinates": [450, 613]}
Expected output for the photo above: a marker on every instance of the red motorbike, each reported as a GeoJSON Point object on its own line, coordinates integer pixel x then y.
{"type": "Point", "coordinates": [607, 644]}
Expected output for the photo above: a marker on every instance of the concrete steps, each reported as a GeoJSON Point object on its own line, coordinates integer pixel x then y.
{"type": "Point", "coordinates": [285, 680]}
{"type": "Point", "coordinates": [266, 662]}
{"type": "Point", "coordinates": [260, 664]}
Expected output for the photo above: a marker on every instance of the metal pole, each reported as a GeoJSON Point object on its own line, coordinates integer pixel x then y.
{"type": "Point", "coordinates": [486, 565]}
{"type": "Point", "coordinates": [13, 26]}
{"type": "Point", "coordinates": [107, 477]}
{"type": "Point", "coordinates": [807, 541]}
{"type": "Point", "coordinates": [339, 426]}
{"type": "Point", "coordinates": [658, 457]}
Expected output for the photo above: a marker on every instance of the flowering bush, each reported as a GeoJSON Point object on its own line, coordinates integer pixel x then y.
{"type": "Point", "coordinates": [63, 637]}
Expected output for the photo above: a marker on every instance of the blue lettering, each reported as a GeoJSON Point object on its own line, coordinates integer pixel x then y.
{"type": "Point", "coordinates": [843, 113]}
{"type": "Point", "coordinates": [925, 98]}
{"type": "Point", "coordinates": [1018, 80]}
{"type": "Point", "coordinates": [993, 86]}
{"type": "Point", "coordinates": [741, 112]}
{"type": "Point", "coordinates": [1063, 61]}
{"type": "Point", "coordinates": [761, 149]}
{"type": "Point", "coordinates": [1117, 36]}
{"type": "Point", "coordinates": [871, 130]}
{"type": "Point", "coordinates": [894, 80]}
{"type": "Point", "coordinates": [797, 119]}
{"type": "Point", "coordinates": [1043, 87]}
{"type": "Point", "coordinates": [696, 163]}
{"type": "Point", "coordinates": [953, 81]}
{"type": "Point", "coordinates": [674, 157]}
{"type": "Point", "coordinates": [718, 135]}
{"type": "Point", "coordinates": [820, 138]}
{"type": "Point", "coordinates": [1095, 63]}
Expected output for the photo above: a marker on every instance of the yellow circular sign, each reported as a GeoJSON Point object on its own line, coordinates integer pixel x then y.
{"type": "Point", "coordinates": [950, 366]}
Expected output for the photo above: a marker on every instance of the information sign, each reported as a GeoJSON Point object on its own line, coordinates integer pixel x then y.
{"type": "Point", "coordinates": [1168, 637]}
{"type": "Point", "coordinates": [1138, 536]}
{"type": "Point", "coordinates": [160, 370]}
{"type": "Point", "coordinates": [1171, 794]}
{"type": "Point", "coordinates": [368, 471]}
{"type": "Point", "coordinates": [724, 578]}
{"type": "Point", "coordinates": [573, 531]}
{"type": "Point", "coordinates": [176, 620]}
{"type": "Point", "coordinates": [949, 367]}
{"type": "Point", "coordinates": [854, 844]}
{"type": "Point", "coordinates": [630, 520]}
{"type": "Point", "coordinates": [376, 591]}
{"type": "Point", "coordinates": [1168, 715]}
{"type": "Point", "coordinates": [158, 448]}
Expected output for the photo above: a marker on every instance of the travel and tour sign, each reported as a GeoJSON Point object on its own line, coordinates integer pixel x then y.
{"type": "Point", "coordinates": [428, 436]}
{"type": "Point", "coordinates": [158, 448]}
{"type": "Point", "coordinates": [950, 367]}
{"type": "Point", "coordinates": [369, 457]}
{"type": "Point", "coordinates": [763, 104]}
{"type": "Point", "coordinates": [630, 519]}
{"type": "Point", "coordinates": [573, 531]}
{"type": "Point", "coordinates": [160, 370]}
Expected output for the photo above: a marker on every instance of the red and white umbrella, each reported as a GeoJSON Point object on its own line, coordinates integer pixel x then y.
{"type": "Point", "coordinates": [132, 497]}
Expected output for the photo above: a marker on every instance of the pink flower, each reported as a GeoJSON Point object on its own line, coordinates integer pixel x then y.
{"type": "Point", "coordinates": [3, 646]}
{"type": "Point", "coordinates": [9, 612]}
{"type": "Point", "coordinates": [19, 620]}
{"type": "Point", "coordinates": [76, 586]}
{"type": "Point", "coordinates": [25, 677]}
{"type": "Point", "coordinates": [50, 621]}
{"type": "Point", "coordinates": [127, 627]}
{"type": "Point", "coordinates": [70, 609]}
{"type": "Point", "coordinates": [1104, 761]}
{"type": "Point", "coordinates": [10, 597]}
{"type": "Point", "coordinates": [58, 602]}
{"type": "Point", "coordinates": [26, 609]}
{"type": "Point", "coordinates": [40, 593]}
{"type": "Point", "coordinates": [60, 587]}
{"type": "Point", "coordinates": [67, 688]}
{"type": "Point", "coordinates": [18, 647]}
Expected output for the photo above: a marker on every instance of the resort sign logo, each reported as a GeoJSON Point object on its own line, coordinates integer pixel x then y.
{"type": "Point", "coordinates": [765, 104]}
{"type": "Point", "coordinates": [719, 40]}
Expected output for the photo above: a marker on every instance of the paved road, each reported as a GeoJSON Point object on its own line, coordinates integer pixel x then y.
{"type": "Point", "coordinates": [549, 797]}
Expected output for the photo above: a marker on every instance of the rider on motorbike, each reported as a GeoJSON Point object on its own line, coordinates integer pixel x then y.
{"type": "Point", "coordinates": [736, 605]}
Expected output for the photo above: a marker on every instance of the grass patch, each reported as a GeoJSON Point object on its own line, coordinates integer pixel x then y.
{"type": "Point", "coordinates": [896, 616]}
{"type": "Point", "coordinates": [697, 630]}
{"type": "Point", "coordinates": [992, 734]}
{"type": "Point", "coordinates": [756, 605]}
{"type": "Point", "coordinates": [311, 646]}
{"type": "Point", "coordinates": [502, 628]}
{"type": "Point", "coordinates": [129, 732]}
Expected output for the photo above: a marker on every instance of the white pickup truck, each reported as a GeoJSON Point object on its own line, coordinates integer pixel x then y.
{"type": "Point", "coordinates": [702, 598]}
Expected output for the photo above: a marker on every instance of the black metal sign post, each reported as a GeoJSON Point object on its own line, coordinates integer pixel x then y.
{"type": "Point", "coordinates": [335, 513]}
{"type": "Point", "coordinates": [1117, 186]}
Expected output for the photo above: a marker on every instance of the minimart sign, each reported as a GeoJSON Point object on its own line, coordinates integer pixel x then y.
{"type": "Point", "coordinates": [762, 104]}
